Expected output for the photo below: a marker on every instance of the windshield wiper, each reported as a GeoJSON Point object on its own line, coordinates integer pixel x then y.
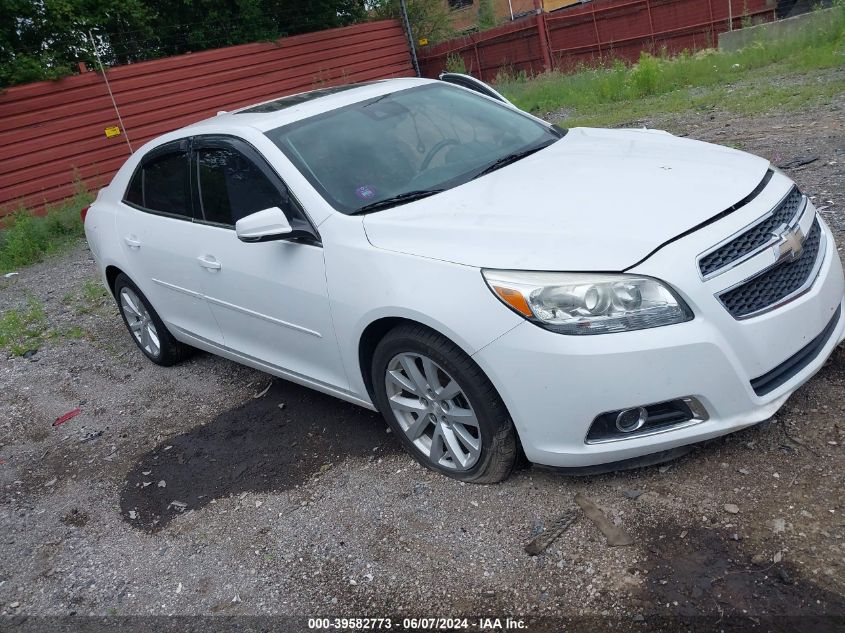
{"type": "Point", "coordinates": [507, 160]}
{"type": "Point", "coordinates": [402, 198]}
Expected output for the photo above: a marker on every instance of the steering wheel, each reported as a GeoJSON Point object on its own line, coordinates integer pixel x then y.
{"type": "Point", "coordinates": [446, 142]}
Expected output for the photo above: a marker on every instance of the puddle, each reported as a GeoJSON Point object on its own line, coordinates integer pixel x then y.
{"type": "Point", "coordinates": [709, 583]}
{"type": "Point", "coordinates": [256, 447]}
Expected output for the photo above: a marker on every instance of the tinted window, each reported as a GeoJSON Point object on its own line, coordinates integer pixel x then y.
{"type": "Point", "coordinates": [431, 137]}
{"type": "Point", "coordinates": [161, 184]}
{"type": "Point", "coordinates": [135, 193]}
{"type": "Point", "coordinates": [232, 187]}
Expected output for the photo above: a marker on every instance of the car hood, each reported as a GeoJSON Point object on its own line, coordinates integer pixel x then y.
{"type": "Point", "coordinates": [597, 200]}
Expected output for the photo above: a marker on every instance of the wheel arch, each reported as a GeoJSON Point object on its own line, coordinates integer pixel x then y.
{"type": "Point", "coordinates": [111, 276]}
{"type": "Point", "coordinates": [377, 329]}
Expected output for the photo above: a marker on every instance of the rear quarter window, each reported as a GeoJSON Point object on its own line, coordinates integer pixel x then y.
{"type": "Point", "coordinates": [161, 184]}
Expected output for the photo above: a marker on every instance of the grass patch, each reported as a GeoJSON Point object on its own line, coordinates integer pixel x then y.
{"type": "Point", "coordinates": [22, 329]}
{"type": "Point", "coordinates": [27, 238]}
{"type": "Point", "coordinates": [617, 92]}
{"type": "Point", "coordinates": [92, 298]}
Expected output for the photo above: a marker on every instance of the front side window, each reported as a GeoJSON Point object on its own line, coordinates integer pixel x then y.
{"type": "Point", "coordinates": [427, 138]}
{"type": "Point", "coordinates": [232, 187]}
{"type": "Point", "coordinates": [161, 184]}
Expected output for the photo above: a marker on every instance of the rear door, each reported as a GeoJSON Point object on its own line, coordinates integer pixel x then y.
{"type": "Point", "coordinates": [270, 298]}
{"type": "Point", "coordinates": [158, 238]}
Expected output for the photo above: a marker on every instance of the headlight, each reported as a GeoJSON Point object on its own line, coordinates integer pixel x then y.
{"type": "Point", "coordinates": [586, 303]}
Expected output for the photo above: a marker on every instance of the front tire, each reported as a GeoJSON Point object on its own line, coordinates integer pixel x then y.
{"type": "Point", "coordinates": [145, 326]}
{"type": "Point", "coordinates": [442, 406]}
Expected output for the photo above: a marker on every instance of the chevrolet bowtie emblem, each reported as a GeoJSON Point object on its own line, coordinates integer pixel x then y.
{"type": "Point", "coordinates": [790, 245]}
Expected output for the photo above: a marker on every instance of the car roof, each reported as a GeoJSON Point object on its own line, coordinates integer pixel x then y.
{"type": "Point", "coordinates": [283, 110]}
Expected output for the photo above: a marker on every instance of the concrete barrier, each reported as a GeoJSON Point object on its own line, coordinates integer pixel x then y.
{"type": "Point", "coordinates": [731, 41]}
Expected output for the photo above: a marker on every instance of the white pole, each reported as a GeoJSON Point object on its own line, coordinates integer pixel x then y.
{"type": "Point", "coordinates": [510, 6]}
{"type": "Point", "coordinates": [730, 16]}
{"type": "Point", "coordinates": [108, 87]}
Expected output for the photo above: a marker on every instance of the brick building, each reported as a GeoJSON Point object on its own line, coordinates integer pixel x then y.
{"type": "Point", "coordinates": [464, 13]}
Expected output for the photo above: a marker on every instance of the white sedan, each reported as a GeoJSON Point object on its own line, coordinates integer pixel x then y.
{"type": "Point", "coordinates": [490, 282]}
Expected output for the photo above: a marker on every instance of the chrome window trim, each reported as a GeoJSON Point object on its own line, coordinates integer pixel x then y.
{"type": "Point", "coordinates": [811, 280]}
{"type": "Point", "coordinates": [795, 220]}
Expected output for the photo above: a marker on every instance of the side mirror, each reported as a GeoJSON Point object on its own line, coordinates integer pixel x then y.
{"type": "Point", "coordinates": [263, 226]}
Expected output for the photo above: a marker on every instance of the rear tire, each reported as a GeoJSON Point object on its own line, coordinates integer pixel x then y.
{"type": "Point", "coordinates": [442, 406]}
{"type": "Point", "coordinates": [145, 327]}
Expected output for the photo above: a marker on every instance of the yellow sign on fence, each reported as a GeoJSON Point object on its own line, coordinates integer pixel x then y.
{"type": "Point", "coordinates": [112, 131]}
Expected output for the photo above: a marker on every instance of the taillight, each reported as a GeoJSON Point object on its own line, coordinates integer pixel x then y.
{"type": "Point", "coordinates": [83, 213]}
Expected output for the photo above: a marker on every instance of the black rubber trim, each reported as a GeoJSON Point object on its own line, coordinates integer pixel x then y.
{"type": "Point", "coordinates": [781, 374]}
{"type": "Point", "coordinates": [715, 218]}
{"type": "Point", "coordinates": [625, 464]}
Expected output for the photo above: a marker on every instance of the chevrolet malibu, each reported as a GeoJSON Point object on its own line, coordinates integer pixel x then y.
{"type": "Point", "coordinates": [492, 284]}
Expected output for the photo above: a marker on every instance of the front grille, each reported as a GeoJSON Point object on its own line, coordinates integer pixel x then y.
{"type": "Point", "coordinates": [776, 283]}
{"type": "Point", "coordinates": [753, 238]}
{"type": "Point", "coordinates": [781, 374]}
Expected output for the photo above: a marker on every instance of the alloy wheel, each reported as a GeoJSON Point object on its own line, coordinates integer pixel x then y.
{"type": "Point", "coordinates": [140, 323]}
{"type": "Point", "coordinates": [433, 411]}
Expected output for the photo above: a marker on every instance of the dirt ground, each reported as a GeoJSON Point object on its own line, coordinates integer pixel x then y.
{"type": "Point", "coordinates": [186, 491]}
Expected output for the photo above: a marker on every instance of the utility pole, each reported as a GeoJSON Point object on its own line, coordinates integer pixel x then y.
{"type": "Point", "coordinates": [413, 45]}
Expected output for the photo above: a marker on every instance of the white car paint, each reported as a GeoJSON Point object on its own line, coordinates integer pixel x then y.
{"type": "Point", "coordinates": [598, 200]}
{"type": "Point", "coordinates": [576, 205]}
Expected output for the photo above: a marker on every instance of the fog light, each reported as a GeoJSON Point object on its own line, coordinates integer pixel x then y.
{"type": "Point", "coordinates": [630, 420]}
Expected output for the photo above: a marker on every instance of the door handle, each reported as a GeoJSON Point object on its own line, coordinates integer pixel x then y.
{"type": "Point", "coordinates": [132, 241]}
{"type": "Point", "coordinates": [207, 261]}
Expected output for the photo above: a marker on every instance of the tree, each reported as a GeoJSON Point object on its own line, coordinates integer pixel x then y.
{"type": "Point", "coordinates": [486, 16]}
{"type": "Point", "coordinates": [429, 18]}
{"type": "Point", "coordinates": [44, 39]}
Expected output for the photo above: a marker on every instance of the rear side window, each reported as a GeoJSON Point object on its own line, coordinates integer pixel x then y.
{"type": "Point", "coordinates": [161, 184]}
{"type": "Point", "coordinates": [232, 187]}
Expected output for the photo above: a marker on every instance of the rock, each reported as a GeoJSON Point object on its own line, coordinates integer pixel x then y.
{"type": "Point", "coordinates": [731, 508]}
{"type": "Point", "coordinates": [744, 471]}
{"type": "Point", "coordinates": [784, 576]}
{"type": "Point", "coordinates": [778, 526]}
{"type": "Point", "coordinates": [639, 617]}
{"type": "Point", "coordinates": [30, 353]}
{"type": "Point", "coordinates": [798, 161]}
{"type": "Point", "coordinates": [759, 559]}
{"type": "Point", "coordinates": [162, 484]}
{"type": "Point", "coordinates": [15, 605]}
{"type": "Point", "coordinates": [632, 494]}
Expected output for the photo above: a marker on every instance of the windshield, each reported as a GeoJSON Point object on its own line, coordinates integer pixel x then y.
{"type": "Point", "coordinates": [406, 144]}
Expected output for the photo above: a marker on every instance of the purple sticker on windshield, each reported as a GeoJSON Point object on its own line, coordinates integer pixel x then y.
{"type": "Point", "coordinates": [366, 192]}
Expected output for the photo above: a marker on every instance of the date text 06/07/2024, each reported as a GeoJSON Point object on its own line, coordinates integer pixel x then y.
{"type": "Point", "coordinates": [418, 624]}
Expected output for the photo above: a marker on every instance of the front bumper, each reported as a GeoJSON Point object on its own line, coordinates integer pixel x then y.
{"type": "Point", "coordinates": [555, 385]}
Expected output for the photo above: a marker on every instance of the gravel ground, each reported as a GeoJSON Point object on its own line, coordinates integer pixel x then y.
{"type": "Point", "coordinates": [185, 491]}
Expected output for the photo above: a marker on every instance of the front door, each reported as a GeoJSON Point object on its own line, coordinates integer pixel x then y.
{"type": "Point", "coordinates": [270, 298]}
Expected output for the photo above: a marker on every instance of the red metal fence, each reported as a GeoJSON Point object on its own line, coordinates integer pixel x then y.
{"type": "Point", "coordinates": [599, 29]}
{"type": "Point", "coordinates": [53, 132]}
